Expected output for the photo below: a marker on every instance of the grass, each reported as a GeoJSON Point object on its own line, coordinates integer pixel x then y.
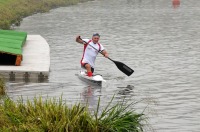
{"type": "Point", "coordinates": [2, 87]}
{"type": "Point", "coordinates": [51, 115]}
{"type": "Point", "coordinates": [12, 11]}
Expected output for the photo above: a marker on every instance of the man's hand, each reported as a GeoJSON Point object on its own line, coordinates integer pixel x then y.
{"type": "Point", "coordinates": [106, 55]}
{"type": "Point", "coordinates": [78, 38]}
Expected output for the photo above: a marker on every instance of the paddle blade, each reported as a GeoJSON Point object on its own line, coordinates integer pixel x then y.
{"type": "Point", "coordinates": [124, 68]}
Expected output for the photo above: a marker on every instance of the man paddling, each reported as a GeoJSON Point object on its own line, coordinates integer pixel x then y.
{"type": "Point", "coordinates": [91, 49]}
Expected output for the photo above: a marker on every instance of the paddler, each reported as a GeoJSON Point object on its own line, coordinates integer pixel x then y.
{"type": "Point", "coordinates": [89, 53]}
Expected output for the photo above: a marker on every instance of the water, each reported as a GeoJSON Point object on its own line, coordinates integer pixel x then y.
{"type": "Point", "coordinates": [159, 42]}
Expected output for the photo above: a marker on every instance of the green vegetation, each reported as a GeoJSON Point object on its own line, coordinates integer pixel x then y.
{"type": "Point", "coordinates": [12, 11]}
{"type": "Point", "coordinates": [53, 115]}
{"type": "Point", "coordinates": [2, 87]}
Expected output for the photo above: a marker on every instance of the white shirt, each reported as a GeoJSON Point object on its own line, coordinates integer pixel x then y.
{"type": "Point", "coordinates": [89, 53]}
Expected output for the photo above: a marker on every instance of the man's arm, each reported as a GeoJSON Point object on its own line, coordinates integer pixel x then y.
{"type": "Point", "coordinates": [79, 40]}
{"type": "Point", "coordinates": [105, 53]}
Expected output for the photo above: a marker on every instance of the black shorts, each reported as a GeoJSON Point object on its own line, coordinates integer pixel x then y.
{"type": "Point", "coordinates": [83, 65]}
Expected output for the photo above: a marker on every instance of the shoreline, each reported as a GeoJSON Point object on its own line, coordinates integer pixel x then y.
{"type": "Point", "coordinates": [12, 12]}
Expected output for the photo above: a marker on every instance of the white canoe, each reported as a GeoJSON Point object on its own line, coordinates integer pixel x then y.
{"type": "Point", "coordinates": [95, 79]}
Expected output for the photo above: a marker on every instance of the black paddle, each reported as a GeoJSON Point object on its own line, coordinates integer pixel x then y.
{"type": "Point", "coordinates": [121, 66]}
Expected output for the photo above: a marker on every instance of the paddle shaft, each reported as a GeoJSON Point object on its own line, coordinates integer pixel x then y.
{"type": "Point", "coordinates": [98, 51]}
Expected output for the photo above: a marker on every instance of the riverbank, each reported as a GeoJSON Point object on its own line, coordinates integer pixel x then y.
{"type": "Point", "coordinates": [13, 11]}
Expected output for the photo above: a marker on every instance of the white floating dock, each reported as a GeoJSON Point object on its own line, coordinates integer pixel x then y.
{"type": "Point", "coordinates": [35, 63]}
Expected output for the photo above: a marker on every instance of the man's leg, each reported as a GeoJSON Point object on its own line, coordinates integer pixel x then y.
{"type": "Point", "coordinates": [88, 68]}
{"type": "Point", "coordinates": [92, 70]}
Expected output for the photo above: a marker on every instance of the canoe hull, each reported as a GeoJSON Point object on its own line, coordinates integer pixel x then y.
{"type": "Point", "coordinates": [94, 80]}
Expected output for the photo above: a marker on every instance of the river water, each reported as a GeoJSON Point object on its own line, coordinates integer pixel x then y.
{"type": "Point", "coordinates": [157, 40]}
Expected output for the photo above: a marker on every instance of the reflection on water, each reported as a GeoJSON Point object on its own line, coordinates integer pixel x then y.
{"type": "Point", "coordinates": [91, 95]}
{"type": "Point", "coordinates": [161, 44]}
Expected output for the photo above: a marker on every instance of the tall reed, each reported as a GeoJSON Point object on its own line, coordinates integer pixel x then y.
{"type": "Point", "coordinates": [2, 87]}
{"type": "Point", "coordinates": [53, 115]}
